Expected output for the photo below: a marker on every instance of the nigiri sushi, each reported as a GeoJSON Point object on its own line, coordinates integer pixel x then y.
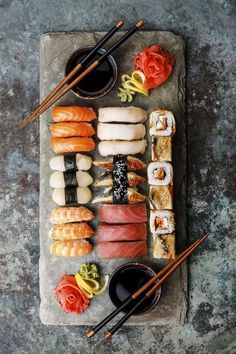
{"type": "Point", "coordinates": [69, 129]}
{"type": "Point", "coordinates": [74, 231]}
{"type": "Point", "coordinates": [110, 250]}
{"type": "Point", "coordinates": [71, 248]}
{"type": "Point", "coordinates": [125, 232]}
{"type": "Point", "coordinates": [108, 131]}
{"type": "Point", "coordinates": [160, 173]}
{"type": "Point", "coordinates": [75, 144]}
{"type": "Point", "coordinates": [110, 196]}
{"type": "Point", "coordinates": [164, 246]}
{"type": "Point", "coordinates": [66, 179]}
{"type": "Point", "coordinates": [71, 195]}
{"type": "Point", "coordinates": [70, 214]}
{"type": "Point", "coordinates": [122, 114]}
{"type": "Point", "coordinates": [72, 113]}
{"type": "Point", "coordinates": [124, 147]}
{"type": "Point", "coordinates": [122, 214]}
{"type": "Point", "coordinates": [71, 162]}
{"type": "Point", "coordinates": [162, 221]}
{"type": "Point", "coordinates": [162, 123]}
{"type": "Point", "coordinates": [133, 163]}
{"type": "Point", "coordinates": [107, 180]}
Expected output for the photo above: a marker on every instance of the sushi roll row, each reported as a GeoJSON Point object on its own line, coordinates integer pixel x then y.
{"type": "Point", "coordinates": [71, 180]}
{"type": "Point", "coordinates": [121, 130]}
{"type": "Point", "coordinates": [72, 130]}
{"type": "Point", "coordinates": [160, 178]}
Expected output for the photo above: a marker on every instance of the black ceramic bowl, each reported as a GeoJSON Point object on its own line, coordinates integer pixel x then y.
{"type": "Point", "coordinates": [125, 280]}
{"type": "Point", "coordinates": [97, 83]}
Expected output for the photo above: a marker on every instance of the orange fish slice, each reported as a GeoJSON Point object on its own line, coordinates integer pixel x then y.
{"type": "Point", "coordinates": [70, 214]}
{"type": "Point", "coordinates": [71, 248]}
{"type": "Point", "coordinates": [69, 129]}
{"type": "Point", "coordinates": [73, 231]}
{"type": "Point", "coordinates": [72, 113]}
{"type": "Point", "coordinates": [61, 145]}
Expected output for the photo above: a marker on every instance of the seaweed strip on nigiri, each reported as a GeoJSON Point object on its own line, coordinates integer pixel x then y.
{"type": "Point", "coordinates": [66, 179]}
{"type": "Point", "coordinates": [133, 163]}
{"type": "Point", "coordinates": [106, 180]}
{"type": "Point", "coordinates": [71, 162]}
{"type": "Point", "coordinates": [71, 195]}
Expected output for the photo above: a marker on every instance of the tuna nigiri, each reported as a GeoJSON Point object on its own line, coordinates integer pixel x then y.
{"type": "Point", "coordinates": [73, 113]}
{"type": "Point", "coordinates": [122, 214]}
{"type": "Point", "coordinates": [122, 249]}
{"type": "Point", "coordinates": [60, 145]}
{"type": "Point", "coordinates": [69, 129]}
{"type": "Point", "coordinates": [125, 232]}
{"type": "Point", "coordinates": [71, 214]}
{"type": "Point", "coordinates": [71, 248]}
{"type": "Point", "coordinates": [74, 231]}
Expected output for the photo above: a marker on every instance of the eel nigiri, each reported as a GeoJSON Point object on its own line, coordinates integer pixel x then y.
{"type": "Point", "coordinates": [70, 214]}
{"type": "Point", "coordinates": [69, 129]}
{"type": "Point", "coordinates": [133, 197]}
{"type": "Point", "coordinates": [114, 147]}
{"type": "Point", "coordinates": [133, 164]}
{"type": "Point", "coordinates": [71, 195]}
{"type": "Point", "coordinates": [122, 114]}
{"type": "Point", "coordinates": [108, 131]}
{"type": "Point", "coordinates": [71, 162]}
{"type": "Point", "coordinates": [65, 179]}
{"type": "Point", "coordinates": [75, 144]}
{"type": "Point", "coordinates": [125, 232]}
{"type": "Point", "coordinates": [71, 248]}
{"type": "Point", "coordinates": [122, 213]}
{"type": "Point", "coordinates": [122, 249]}
{"type": "Point", "coordinates": [74, 231]}
{"type": "Point", "coordinates": [72, 113]}
{"type": "Point", "coordinates": [106, 180]}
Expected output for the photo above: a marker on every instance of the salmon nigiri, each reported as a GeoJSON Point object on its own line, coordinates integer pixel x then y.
{"type": "Point", "coordinates": [70, 214]}
{"type": "Point", "coordinates": [73, 113]}
{"type": "Point", "coordinates": [73, 231]}
{"type": "Point", "coordinates": [71, 248]}
{"type": "Point", "coordinates": [60, 145]}
{"type": "Point", "coordinates": [68, 129]}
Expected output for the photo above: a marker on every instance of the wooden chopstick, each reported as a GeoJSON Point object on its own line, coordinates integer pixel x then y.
{"type": "Point", "coordinates": [76, 69]}
{"type": "Point", "coordinates": [54, 98]}
{"type": "Point", "coordinates": [149, 293]}
{"type": "Point", "coordinates": [137, 293]}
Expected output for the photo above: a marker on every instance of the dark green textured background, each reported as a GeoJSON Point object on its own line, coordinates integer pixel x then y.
{"type": "Point", "coordinates": [208, 28]}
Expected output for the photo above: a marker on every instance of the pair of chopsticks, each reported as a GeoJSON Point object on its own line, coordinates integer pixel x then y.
{"type": "Point", "coordinates": [55, 95]}
{"type": "Point", "coordinates": [157, 280]}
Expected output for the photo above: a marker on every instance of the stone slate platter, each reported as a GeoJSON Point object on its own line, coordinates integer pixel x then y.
{"type": "Point", "coordinates": [56, 48]}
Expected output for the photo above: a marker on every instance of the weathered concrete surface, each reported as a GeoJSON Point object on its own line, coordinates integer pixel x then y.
{"type": "Point", "coordinates": [209, 30]}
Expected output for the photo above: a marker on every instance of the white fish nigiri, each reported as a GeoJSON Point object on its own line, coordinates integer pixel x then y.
{"type": "Point", "coordinates": [65, 179]}
{"type": "Point", "coordinates": [71, 195]}
{"type": "Point", "coordinates": [125, 147]}
{"type": "Point", "coordinates": [108, 131]}
{"type": "Point", "coordinates": [71, 162]}
{"type": "Point", "coordinates": [122, 114]}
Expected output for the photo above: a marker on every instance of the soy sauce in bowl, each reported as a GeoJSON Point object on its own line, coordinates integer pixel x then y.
{"type": "Point", "coordinates": [125, 280]}
{"type": "Point", "coordinates": [98, 82]}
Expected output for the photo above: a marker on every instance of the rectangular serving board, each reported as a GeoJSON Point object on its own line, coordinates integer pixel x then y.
{"type": "Point", "coordinates": [55, 50]}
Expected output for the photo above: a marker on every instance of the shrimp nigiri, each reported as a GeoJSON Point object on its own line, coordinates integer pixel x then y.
{"type": "Point", "coordinates": [73, 113]}
{"type": "Point", "coordinates": [60, 145]}
{"type": "Point", "coordinates": [71, 248]}
{"type": "Point", "coordinates": [69, 129]}
{"type": "Point", "coordinates": [74, 231]}
{"type": "Point", "coordinates": [70, 214]}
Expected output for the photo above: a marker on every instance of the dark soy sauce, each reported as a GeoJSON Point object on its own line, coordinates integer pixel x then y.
{"type": "Point", "coordinates": [126, 281]}
{"type": "Point", "coordinates": [96, 82]}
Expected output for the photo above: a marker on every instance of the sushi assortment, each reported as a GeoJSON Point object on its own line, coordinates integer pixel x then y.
{"type": "Point", "coordinates": [160, 178]}
{"type": "Point", "coordinates": [71, 132]}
